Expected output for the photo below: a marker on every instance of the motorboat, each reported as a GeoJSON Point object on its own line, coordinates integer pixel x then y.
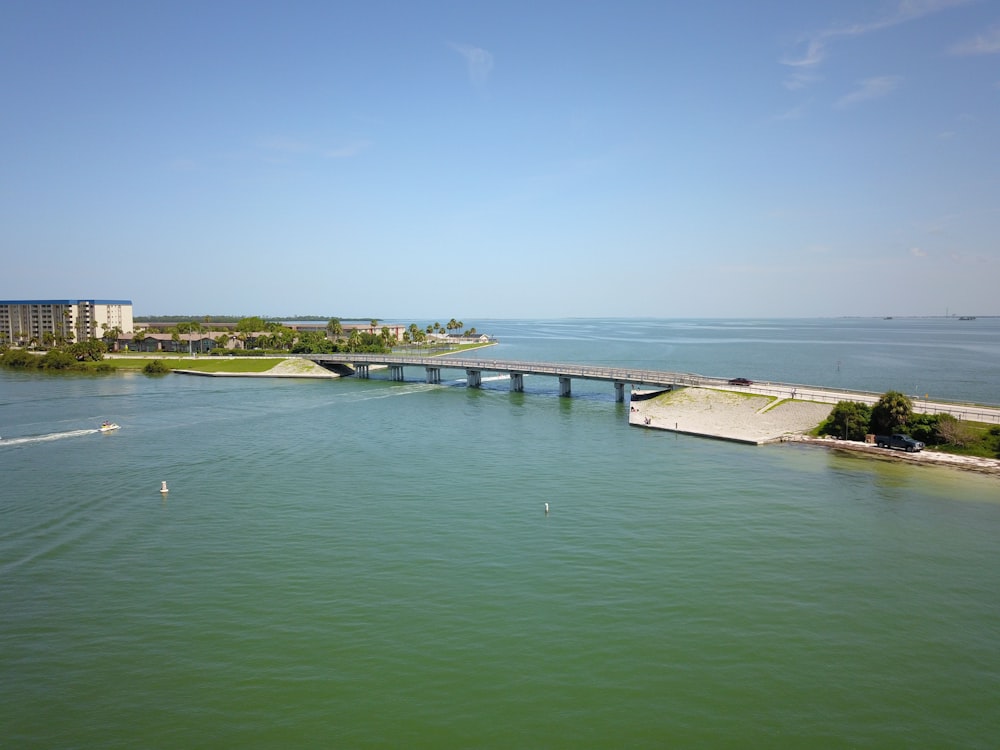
{"type": "Point", "coordinates": [109, 426]}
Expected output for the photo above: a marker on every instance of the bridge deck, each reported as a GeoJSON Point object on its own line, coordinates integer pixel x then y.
{"type": "Point", "coordinates": [584, 372]}
{"type": "Point", "coordinates": [655, 379]}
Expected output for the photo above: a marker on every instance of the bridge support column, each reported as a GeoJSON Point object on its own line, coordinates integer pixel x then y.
{"type": "Point", "coordinates": [517, 382]}
{"type": "Point", "coordinates": [619, 392]}
{"type": "Point", "coordinates": [564, 385]}
{"type": "Point", "coordinates": [361, 371]}
{"type": "Point", "coordinates": [433, 374]}
{"type": "Point", "coordinates": [473, 378]}
{"type": "Point", "coordinates": [395, 372]}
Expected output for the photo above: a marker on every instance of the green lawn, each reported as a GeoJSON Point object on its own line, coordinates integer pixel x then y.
{"type": "Point", "coordinates": [201, 364]}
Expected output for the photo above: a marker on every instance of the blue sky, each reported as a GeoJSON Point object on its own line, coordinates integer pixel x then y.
{"type": "Point", "coordinates": [429, 160]}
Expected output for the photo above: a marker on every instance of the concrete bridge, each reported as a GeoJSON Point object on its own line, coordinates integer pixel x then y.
{"type": "Point", "coordinates": [474, 369]}
{"type": "Point", "coordinates": [619, 377]}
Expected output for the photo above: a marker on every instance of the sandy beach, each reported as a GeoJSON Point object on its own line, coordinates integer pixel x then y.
{"type": "Point", "coordinates": [758, 419]}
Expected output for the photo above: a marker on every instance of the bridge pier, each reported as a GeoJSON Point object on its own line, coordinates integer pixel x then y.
{"type": "Point", "coordinates": [473, 378]}
{"type": "Point", "coordinates": [395, 372]}
{"type": "Point", "coordinates": [517, 382]}
{"type": "Point", "coordinates": [361, 371]}
{"type": "Point", "coordinates": [619, 392]}
{"type": "Point", "coordinates": [433, 374]}
{"type": "Point", "coordinates": [564, 389]}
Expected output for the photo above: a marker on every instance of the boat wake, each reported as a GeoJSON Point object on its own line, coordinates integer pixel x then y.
{"type": "Point", "coordinates": [45, 438]}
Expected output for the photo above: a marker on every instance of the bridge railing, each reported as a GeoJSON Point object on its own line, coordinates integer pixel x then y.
{"type": "Point", "coordinates": [564, 369]}
{"type": "Point", "coordinates": [967, 411]}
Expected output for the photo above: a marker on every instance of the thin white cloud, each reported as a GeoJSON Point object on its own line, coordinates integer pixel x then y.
{"type": "Point", "coordinates": [478, 61]}
{"type": "Point", "coordinates": [987, 43]}
{"type": "Point", "coordinates": [869, 89]}
{"type": "Point", "coordinates": [816, 44]}
{"type": "Point", "coordinates": [916, 252]}
{"type": "Point", "coordinates": [813, 55]}
{"type": "Point", "coordinates": [800, 80]}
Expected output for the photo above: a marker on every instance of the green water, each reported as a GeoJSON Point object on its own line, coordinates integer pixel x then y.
{"type": "Point", "coordinates": [369, 564]}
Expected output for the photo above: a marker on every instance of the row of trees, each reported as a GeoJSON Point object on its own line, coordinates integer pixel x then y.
{"type": "Point", "coordinates": [256, 333]}
{"type": "Point", "coordinates": [893, 412]}
{"type": "Point", "coordinates": [67, 357]}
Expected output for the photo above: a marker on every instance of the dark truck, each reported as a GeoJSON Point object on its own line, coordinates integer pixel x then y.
{"type": "Point", "coordinates": [902, 442]}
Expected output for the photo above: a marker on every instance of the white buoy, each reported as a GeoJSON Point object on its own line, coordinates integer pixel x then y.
{"type": "Point", "coordinates": [546, 508]}
{"type": "Point", "coordinates": [163, 488]}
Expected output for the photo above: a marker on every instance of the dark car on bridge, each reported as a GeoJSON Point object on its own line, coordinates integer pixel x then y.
{"type": "Point", "coordinates": [740, 381]}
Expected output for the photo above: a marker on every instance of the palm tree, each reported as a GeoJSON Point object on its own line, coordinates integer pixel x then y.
{"type": "Point", "coordinates": [891, 412]}
{"type": "Point", "coordinates": [354, 341]}
{"type": "Point", "coordinates": [65, 323]}
{"type": "Point", "coordinates": [111, 336]}
{"type": "Point", "coordinates": [335, 329]}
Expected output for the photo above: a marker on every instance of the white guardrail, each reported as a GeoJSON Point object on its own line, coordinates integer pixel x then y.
{"type": "Point", "coordinates": [960, 410]}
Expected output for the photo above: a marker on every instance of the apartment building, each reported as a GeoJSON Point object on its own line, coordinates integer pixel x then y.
{"type": "Point", "coordinates": [25, 321]}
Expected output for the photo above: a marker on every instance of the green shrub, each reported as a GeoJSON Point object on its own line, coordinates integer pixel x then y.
{"type": "Point", "coordinates": [848, 420]}
{"type": "Point", "coordinates": [57, 359]}
{"type": "Point", "coordinates": [925, 428]}
{"type": "Point", "coordinates": [155, 367]}
{"type": "Point", "coordinates": [19, 358]}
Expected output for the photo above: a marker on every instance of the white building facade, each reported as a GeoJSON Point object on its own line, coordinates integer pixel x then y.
{"type": "Point", "coordinates": [24, 322]}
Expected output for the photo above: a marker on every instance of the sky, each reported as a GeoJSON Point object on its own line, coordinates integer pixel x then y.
{"type": "Point", "coordinates": [427, 160]}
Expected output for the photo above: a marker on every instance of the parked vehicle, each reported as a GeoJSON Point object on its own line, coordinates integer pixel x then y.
{"type": "Point", "coordinates": [740, 381]}
{"type": "Point", "coordinates": [900, 442]}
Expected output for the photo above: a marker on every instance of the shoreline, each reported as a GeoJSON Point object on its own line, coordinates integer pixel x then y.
{"type": "Point", "coordinates": [925, 457]}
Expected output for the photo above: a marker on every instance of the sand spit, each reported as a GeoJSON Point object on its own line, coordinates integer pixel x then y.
{"type": "Point", "coordinates": [757, 419]}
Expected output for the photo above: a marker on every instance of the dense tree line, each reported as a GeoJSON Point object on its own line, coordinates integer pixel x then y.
{"type": "Point", "coordinates": [67, 357]}
{"type": "Point", "coordinates": [893, 412]}
{"type": "Point", "coordinates": [267, 334]}
{"type": "Point", "coordinates": [256, 334]}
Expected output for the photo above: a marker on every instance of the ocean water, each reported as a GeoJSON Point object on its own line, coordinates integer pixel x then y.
{"type": "Point", "coordinates": [357, 563]}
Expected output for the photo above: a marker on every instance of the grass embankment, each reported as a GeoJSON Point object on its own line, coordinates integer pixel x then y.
{"type": "Point", "coordinates": [199, 364]}
{"type": "Point", "coordinates": [976, 439]}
